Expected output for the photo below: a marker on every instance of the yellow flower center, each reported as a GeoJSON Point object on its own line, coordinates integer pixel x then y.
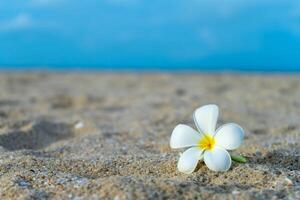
{"type": "Point", "coordinates": [207, 142]}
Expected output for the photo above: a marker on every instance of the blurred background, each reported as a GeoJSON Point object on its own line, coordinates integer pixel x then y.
{"type": "Point", "coordinates": [244, 35]}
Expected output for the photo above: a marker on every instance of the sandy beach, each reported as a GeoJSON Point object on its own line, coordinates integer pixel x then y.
{"type": "Point", "coordinates": [106, 136]}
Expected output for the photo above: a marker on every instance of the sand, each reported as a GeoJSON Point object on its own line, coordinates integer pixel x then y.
{"type": "Point", "coordinates": [106, 136]}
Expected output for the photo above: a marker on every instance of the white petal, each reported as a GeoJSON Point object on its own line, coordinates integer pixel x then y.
{"type": "Point", "coordinates": [217, 160]}
{"type": "Point", "coordinates": [229, 136]}
{"type": "Point", "coordinates": [206, 118]}
{"type": "Point", "coordinates": [189, 159]}
{"type": "Point", "coordinates": [184, 136]}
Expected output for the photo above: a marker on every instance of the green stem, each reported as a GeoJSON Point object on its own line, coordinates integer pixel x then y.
{"type": "Point", "coordinates": [240, 159]}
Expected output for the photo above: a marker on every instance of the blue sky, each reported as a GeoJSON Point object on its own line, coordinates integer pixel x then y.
{"type": "Point", "coordinates": [195, 34]}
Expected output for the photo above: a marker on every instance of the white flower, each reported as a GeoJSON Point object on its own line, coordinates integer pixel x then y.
{"type": "Point", "coordinates": [208, 143]}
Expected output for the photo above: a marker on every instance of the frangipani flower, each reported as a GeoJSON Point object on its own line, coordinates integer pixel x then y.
{"type": "Point", "coordinates": [208, 144]}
